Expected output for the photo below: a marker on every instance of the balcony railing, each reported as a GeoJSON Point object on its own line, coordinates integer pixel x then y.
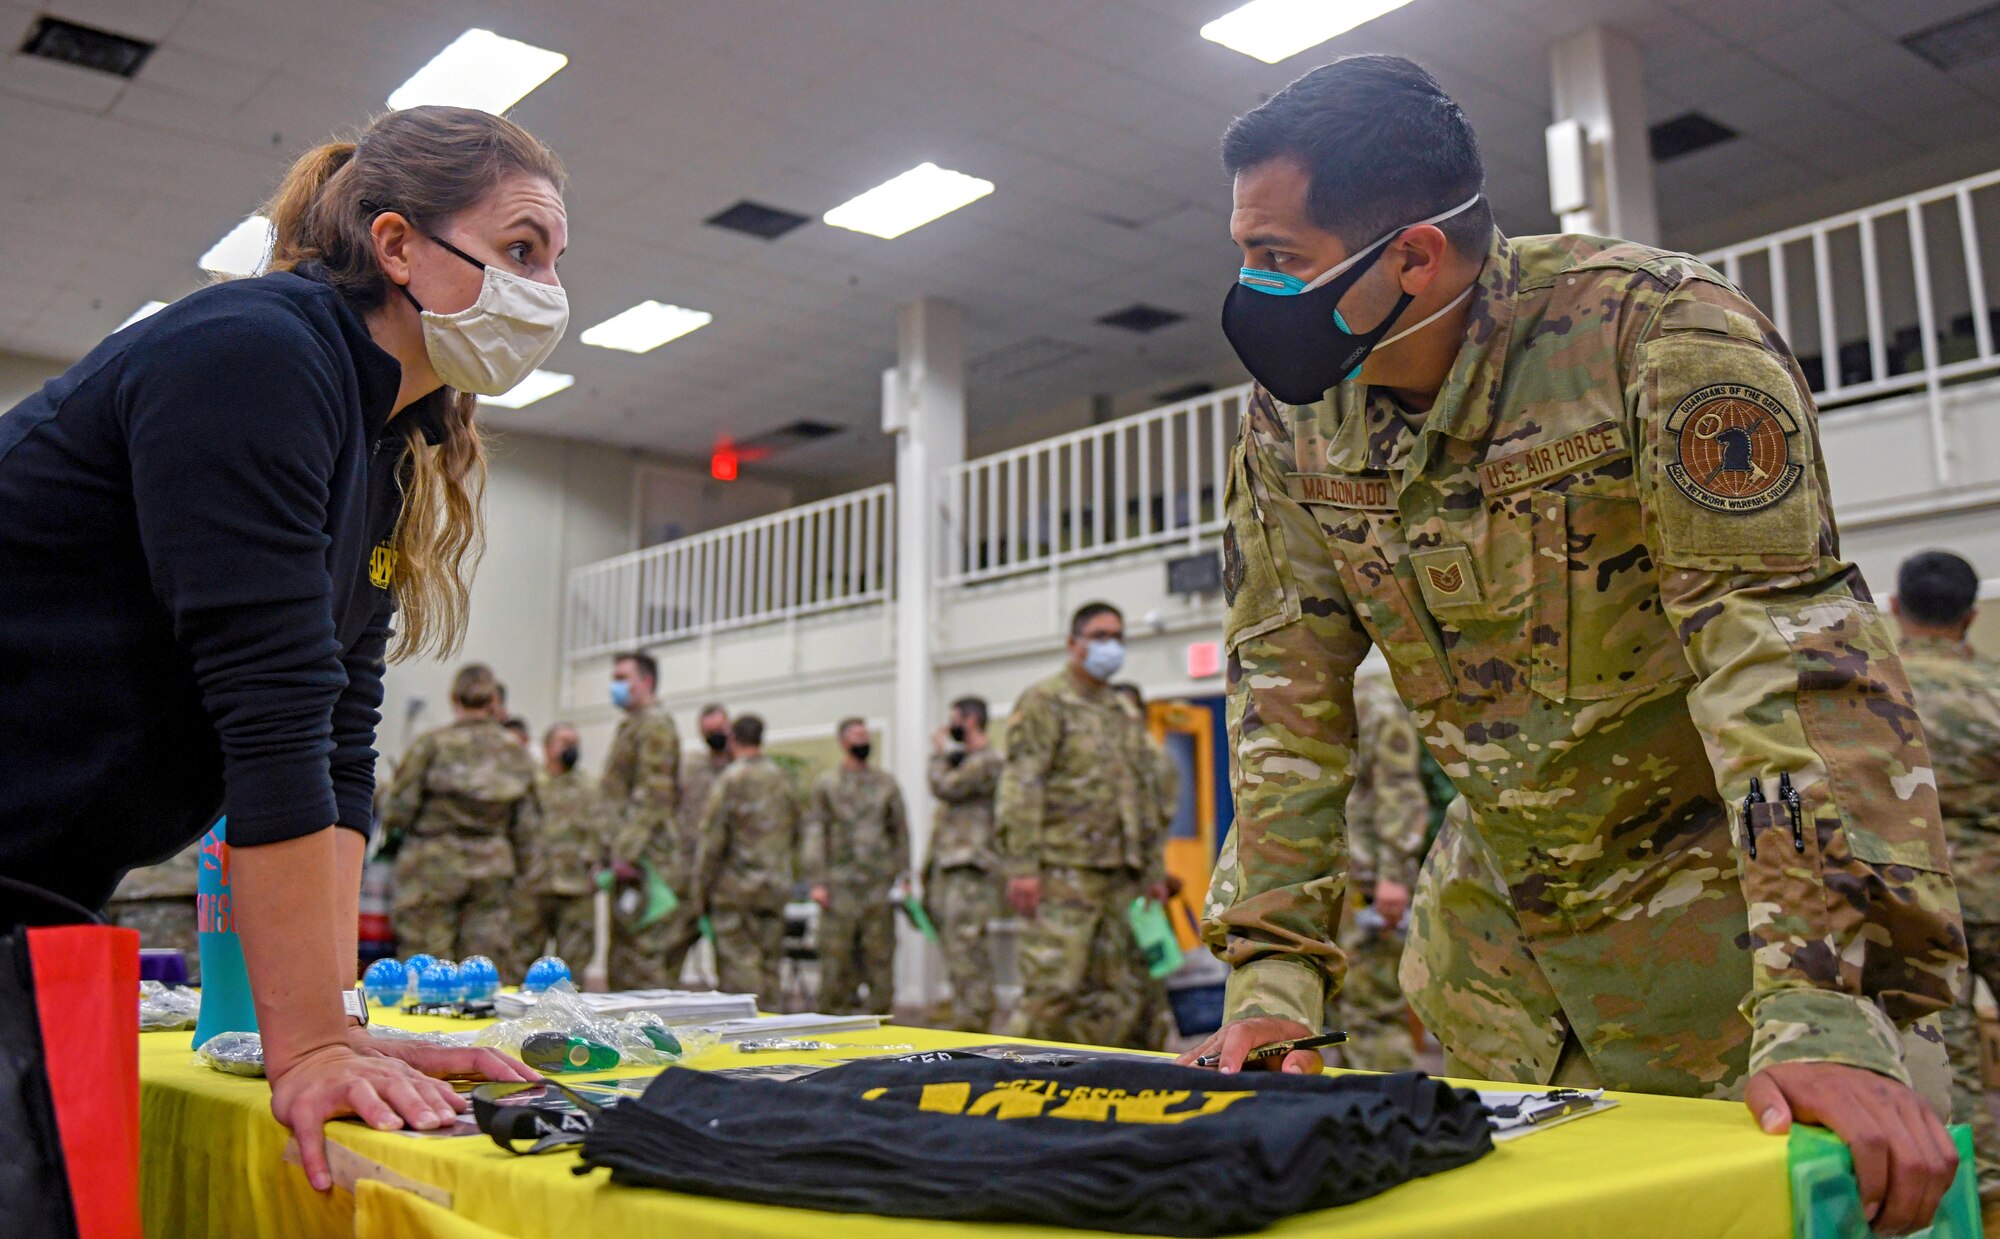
{"type": "Point", "coordinates": [1148, 480]}
{"type": "Point", "coordinates": [839, 552]}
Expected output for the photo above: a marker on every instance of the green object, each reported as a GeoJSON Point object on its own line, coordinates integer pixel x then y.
{"type": "Point", "coordinates": [707, 928]}
{"type": "Point", "coordinates": [660, 898]}
{"type": "Point", "coordinates": [1156, 937]}
{"type": "Point", "coordinates": [663, 1041]}
{"type": "Point", "coordinates": [556, 1052]}
{"type": "Point", "coordinates": [919, 917]}
{"type": "Point", "coordinates": [1826, 1203]}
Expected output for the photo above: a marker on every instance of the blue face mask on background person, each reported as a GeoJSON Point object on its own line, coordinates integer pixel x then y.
{"type": "Point", "coordinates": [1104, 658]}
{"type": "Point", "coordinates": [1289, 333]}
{"type": "Point", "coordinates": [621, 694]}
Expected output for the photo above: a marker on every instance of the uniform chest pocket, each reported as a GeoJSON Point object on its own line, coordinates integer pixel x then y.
{"type": "Point", "coordinates": [1488, 573]}
{"type": "Point", "coordinates": [1615, 638]}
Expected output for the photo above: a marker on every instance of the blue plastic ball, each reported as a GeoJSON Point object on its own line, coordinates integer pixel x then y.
{"type": "Point", "coordinates": [543, 973]}
{"type": "Point", "coordinates": [438, 982]}
{"type": "Point", "coordinates": [480, 977]}
{"type": "Point", "coordinates": [386, 981]}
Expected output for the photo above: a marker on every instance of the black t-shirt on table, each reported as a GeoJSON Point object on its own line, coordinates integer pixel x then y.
{"type": "Point", "coordinates": [193, 613]}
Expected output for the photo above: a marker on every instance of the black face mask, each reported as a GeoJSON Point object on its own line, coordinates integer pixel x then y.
{"type": "Point", "coordinates": [568, 757]}
{"type": "Point", "coordinates": [958, 735]}
{"type": "Point", "coordinates": [716, 740]}
{"type": "Point", "coordinates": [1289, 333]}
{"type": "Point", "coordinates": [861, 751]}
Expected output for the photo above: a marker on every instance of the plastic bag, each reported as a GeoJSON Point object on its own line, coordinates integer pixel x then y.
{"type": "Point", "coordinates": [163, 1006]}
{"type": "Point", "coordinates": [561, 1033]}
{"type": "Point", "coordinates": [238, 1053]}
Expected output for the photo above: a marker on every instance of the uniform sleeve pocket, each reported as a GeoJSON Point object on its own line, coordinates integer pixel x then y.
{"type": "Point", "coordinates": [1256, 573]}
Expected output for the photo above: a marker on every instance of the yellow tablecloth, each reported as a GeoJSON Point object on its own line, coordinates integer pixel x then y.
{"type": "Point", "coordinates": [211, 1166]}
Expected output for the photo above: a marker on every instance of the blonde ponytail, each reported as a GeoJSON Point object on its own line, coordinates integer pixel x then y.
{"type": "Point", "coordinates": [427, 164]}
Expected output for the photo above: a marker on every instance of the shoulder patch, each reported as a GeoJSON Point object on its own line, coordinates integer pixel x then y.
{"type": "Point", "coordinates": [1732, 448]}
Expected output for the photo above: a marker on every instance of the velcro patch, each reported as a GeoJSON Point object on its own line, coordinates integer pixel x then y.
{"type": "Point", "coordinates": [1540, 461]}
{"type": "Point", "coordinates": [1340, 490]}
{"type": "Point", "coordinates": [1733, 448]}
{"type": "Point", "coordinates": [1446, 577]}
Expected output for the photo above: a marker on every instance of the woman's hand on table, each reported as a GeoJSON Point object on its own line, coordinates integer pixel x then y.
{"type": "Point", "coordinates": [444, 1062]}
{"type": "Point", "coordinates": [337, 1079]}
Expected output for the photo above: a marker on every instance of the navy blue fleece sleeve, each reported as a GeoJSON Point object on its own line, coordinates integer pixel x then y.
{"type": "Point", "coordinates": [356, 715]}
{"type": "Point", "coordinates": [233, 430]}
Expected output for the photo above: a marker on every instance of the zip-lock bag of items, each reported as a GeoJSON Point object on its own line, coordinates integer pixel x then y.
{"type": "Point", "coordinates": [560, 1033]}
{"type": "Point", "coordinates": [163, 1006]}
{"type": "Point", "coordinates": [1102, 1145]}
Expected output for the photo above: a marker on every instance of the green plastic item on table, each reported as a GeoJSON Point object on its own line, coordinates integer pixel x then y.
{"type": "Point", "coordinates": [920, 917]}
{"type": "Point", "coordinates": [1155, 935]}
{"type": "Point", "coordinates": [556, 1052]}
{"type": "Point", "coordinates": [663, 1041]}
{"type": "Point", "coordinates": [1826, 1202]}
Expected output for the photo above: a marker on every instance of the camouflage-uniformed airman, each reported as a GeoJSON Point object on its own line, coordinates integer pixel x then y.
{"type": "Point", "coordinates": [1583, 514]}
{"type": "Point", "coordinates": [1387, 819]}
{"type": "Point", "coordinates": [962, 872]}
{"type": "Point", "coordinates": [641, 784]}
{"type": "Point", "coordinates": [560, 860]}
{"type": "Point", "coordinates": [1073, 817]}
{"type": "Point", "coordinates": [857, 844]}
{"type": "Point", "coordinates": [1958, 698]}
{"type": "Point", "coordinates": [747, 854]}
{"type": "Point", "coordinates": [158, 901]}
{"type": "Point", "coordinates": [699, 772]}
{"type": "Point", "coordinates": [461, 796]}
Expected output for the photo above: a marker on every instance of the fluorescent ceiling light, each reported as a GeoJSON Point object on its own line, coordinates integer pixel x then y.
{"type": "Point", "coordinates": [1275, 30]}
{"type": "Point", "coordinates": [145, 311]}
{"type": "Point", "coordinates": [909, 201]}
{"type": "Point", "coordinates": [243, 252]}
{"type": "Point", "coordinates": [481, 70]}
{"type": "Point", "coordinates": [646, 326]}
{"type": "Point", "coordinates": [536, 386]}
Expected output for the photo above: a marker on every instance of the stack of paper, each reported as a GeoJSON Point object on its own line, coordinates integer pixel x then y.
{"type": "Point", "coordinates": [799, 1024]}
{"type": "Point", "coordinates": [675, 1006]}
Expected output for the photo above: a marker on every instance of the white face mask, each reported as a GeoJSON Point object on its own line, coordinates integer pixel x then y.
{"type": "Point", "coordinates": [498, 340]}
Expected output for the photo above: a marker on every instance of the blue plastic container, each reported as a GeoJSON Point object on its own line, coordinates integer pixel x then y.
{"type": "Point", "coordinates": [225, 983]}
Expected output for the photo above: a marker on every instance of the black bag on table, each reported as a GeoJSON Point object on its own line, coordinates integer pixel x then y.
{"type": "Point", "coordinates": [1148, 1148]}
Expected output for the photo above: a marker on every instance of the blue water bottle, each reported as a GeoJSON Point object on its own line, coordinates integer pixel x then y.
{"type": "Point", "coordinates": [225, 982]}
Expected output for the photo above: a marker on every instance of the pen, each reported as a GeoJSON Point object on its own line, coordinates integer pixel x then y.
{"type": "Point", "coordinates": [1790, 795]}
{"type": "Point", "coordinates": [1277, 1048]}
{"type": "Point", "coordinates": [1755, 798]}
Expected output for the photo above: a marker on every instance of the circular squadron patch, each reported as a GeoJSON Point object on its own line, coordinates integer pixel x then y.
{"type": "Point", "coordinates": [1733, 447]}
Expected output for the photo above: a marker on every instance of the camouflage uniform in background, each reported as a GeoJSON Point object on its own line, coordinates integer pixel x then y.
{"type": "Point", "coordinates": [1958, 698]}
{"type": "Point", "coordinates": [461, 796]}
{"type": "Point", "coordinates": [857, 843]}
{"type": "Point", "coordinates": [743, 873]}
{"type": "Point", "coordinates": [559, 861]}
{"type": "Point", "coordinates": [1075, 808]}
{"type": "Point", "coordinates": [642, 786]}
{"type": "Point", "coordinates": [1387, 818]}
{"type": "Point", "coordinates": [1604, 572]}
{"type": "Point", "coordinates": [158, 901]}
{"type": "Point", "coordinates": [962, 885]}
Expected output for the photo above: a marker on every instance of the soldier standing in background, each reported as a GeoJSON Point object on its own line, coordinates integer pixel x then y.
{"type": "Point", "coordinates": [698, 774]}
{"type": "Point", "coordinates": [641, 785]}
{"type": "Point", "coordinates": [1958, 699]}
{"type": "Point", "coordinates": [744, 864]}
{"type": "Point", "coordinates": [857, 843]}
{"type": "Point", "coordinates": [1572, 488]}
{"type": "Point", "coordinates": [158, 901]}
{"type": "Point", "coordinates": [461, 796]}
{"type": "Point", "coordinates": [1072, 818]}
{"type": "Point", "coordinates": [559, 861]}
{"type": "Point", "coordinates": [1152, 1016]}
{"type": "Point", "coordinates": [961, 873]}
{"type": "Point", "coordinates": [1388, 817]}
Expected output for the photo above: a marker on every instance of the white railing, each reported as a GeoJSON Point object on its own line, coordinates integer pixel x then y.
{"type": "Point", "coordinates": [1148, 480]}
{"type": "Point", "coordinates": [1890, 298]}
{"type": "Point", "coordinates": [839, 552]}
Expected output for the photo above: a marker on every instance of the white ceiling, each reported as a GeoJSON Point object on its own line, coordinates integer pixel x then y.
{"type": "Point", "coordinates": [1097, 119]}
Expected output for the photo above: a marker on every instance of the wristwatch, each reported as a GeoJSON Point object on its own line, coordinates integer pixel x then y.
{"type": "Point", "coordinates": [355, 1003]}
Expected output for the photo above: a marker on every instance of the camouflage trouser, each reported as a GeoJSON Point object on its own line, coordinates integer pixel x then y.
{"type": "Point", "coordinates": [963, 901]}
{"type": "Point", "coordinates": [1083, 979]}
{"type": "Point", "coordinates": [571, 920]}
{"type": "Point", "coordinates": [1370, 1008]}
{"type": "Point", "coordinates": [651, 958]}
{"type": "Point", "coordinates": [440, 911]}
{"type": "Point", "coordinates": [1961, 1036]}
{"type": "Point", "coordinates": [857, 946]}
{"type": "Point", "coordinates": [749, 948]}
{"type": "Point", "coordinates": [166, 924]}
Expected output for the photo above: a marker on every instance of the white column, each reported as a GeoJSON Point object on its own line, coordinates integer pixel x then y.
{"type": "Point", "coordinates": [1596, 80]}
{"type": "Point", "coordinates": [923, 405]}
